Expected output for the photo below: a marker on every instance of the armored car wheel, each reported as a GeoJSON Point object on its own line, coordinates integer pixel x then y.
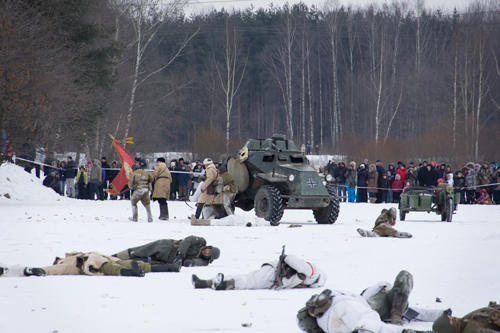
{"type": "Point", "coordinates": [449, 210]}
{"type": "Point", "coordinates": [328, 214]}
{"type": "Point", "coordinates": [269, 204]}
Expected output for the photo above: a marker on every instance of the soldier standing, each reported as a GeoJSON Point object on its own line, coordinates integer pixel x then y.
{"type": "Point", "coordinates": [161, 191]}
{"type": "Point", "coordinates": [207, 194]}
{"type": "Point", "coordinates": [226, 191]}
{"type": "Point", "coordinates": [384, 226]}
{"type": "Point", "coordinates": [140, 182]}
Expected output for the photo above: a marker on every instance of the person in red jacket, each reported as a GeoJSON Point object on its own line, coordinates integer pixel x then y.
{"type": "Point", "coordinates": [402, 172]}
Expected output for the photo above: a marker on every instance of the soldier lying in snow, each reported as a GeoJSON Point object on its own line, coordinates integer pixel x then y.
{"type": "Point", "coordinates": [94, 263]}
{"type": "Point", "coordinates": [296, 273]}
{"type": "Point", "coordinates": [190, 251]}
{"type": "Point", "coordinates": [384, 226]}
{"type": "Point", "coordinates": [338, 311]}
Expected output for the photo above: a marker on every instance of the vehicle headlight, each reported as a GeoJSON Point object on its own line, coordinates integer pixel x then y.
{"type": "Point", "coordinates": [324, 183]}
{"type": "Point", "coordinates": [449, 189]}
{"type": "Point", "coordinates": [329, 178]}
{"type": "Point", "coordinates": [291, 178]}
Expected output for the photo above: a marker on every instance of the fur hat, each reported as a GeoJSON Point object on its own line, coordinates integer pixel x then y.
{"type": "Point", "coordinates": [208, 161]}
{"type": "Point", "coordinates": [353, 165]}
{"type": "Point", "coordinates": [160, 159]}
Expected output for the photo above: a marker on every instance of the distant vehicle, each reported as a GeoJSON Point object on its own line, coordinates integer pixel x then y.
{"type": "Point", "coordinates": [442, 200]}
{"type": "Point", "coordinates": [273, 175]}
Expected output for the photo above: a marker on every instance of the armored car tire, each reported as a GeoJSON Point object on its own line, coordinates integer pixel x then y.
{"type": "Point", "coordinates": [328, 214]}
{"type": "Point", "coordinates": [269, 204]}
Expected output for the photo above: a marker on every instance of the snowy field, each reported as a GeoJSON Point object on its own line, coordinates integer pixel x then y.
{"type": "Point", "coordinates": [457, 262]}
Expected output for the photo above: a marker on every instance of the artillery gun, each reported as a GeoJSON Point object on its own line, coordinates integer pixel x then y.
{"type": "Point", "coordinates": [273, 175]}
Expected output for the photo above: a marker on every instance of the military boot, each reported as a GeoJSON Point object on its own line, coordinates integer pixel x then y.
{"type": "Point", "coordinates": [399, 305]}
{"type": "Point", "coordinates": [164, 212]}
{"type": "Point", "coordinates": [150, 216]}
{"type": "Point", "coordinates": [199, 283]}
{"type": "Point", "coordinates": [134, 271]}
{"type": "Point", "coordinates": [366, 233]}
{"type": "Point", "coordinates": [176, 267]}
{"type": "Point", "coordinates": [402, 234]}
{"type": "Point", "coordinates": [134, 217]}
{"type": "Point", "coordinates": [218, 283]}
{"type": "Point", "coordinates": [198, 212]}
{"type": "Point", "coordinates": [29, 271]}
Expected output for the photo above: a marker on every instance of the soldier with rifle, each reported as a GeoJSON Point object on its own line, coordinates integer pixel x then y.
{"type": "Point", "coordinates": [287, 272]}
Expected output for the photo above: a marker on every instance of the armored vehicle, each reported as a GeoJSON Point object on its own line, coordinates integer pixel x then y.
{"type": "Point", "coordinates": [441, 200]}
{"type": "Point", "coordinates": [273, 175]}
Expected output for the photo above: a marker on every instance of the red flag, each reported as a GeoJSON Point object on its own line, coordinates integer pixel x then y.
{"type": "Point", "coordinates": [123, 176]}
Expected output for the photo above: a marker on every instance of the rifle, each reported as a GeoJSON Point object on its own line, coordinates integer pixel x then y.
{"type": "Point", "coordinates": [278, 281]}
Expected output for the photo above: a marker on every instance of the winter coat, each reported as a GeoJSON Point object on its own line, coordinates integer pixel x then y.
{"type": "Point", "coordinates": [212, 174]}
{"type": "Point", "coordinates": [402, 173]}
{"type": "Point", "coordinates": [411, 175]}
{"type": "Point", "coordinates": [384, 183]}
{"type": "Point", "coordinates": [397, 185]}
{"type": "Point", "coordinates": [77, 263]}
{"type": "Point", "coordinates": [140, 179]}
{"type": "Point", "coordinates": [81, 177]}
{"type": "Point", "coordinates": [441, 172]}
{"type": "Point", "coordinates": [111, 174]}
{"type": "Point", "coordinates": [183, 178]}
{"type": "Point", "coordinates": [385, 217]}
{"type": "Point", "coordinates": [392, 169]}
{"type": "Point", "coordinates": [165, 250]}
{"type": "Point", "coordinates": [381, 171]}
{"type": "Point", "coordinates": [71, 170]}
{"type": "Point", "coordinates": [372, 180]}
{"type": "Point", "coordinates": [96, 173]}
{"type": "Point", "coordinates": [62, 174]}
{"type": "Point", "coordinates": [349, 312]}
{"type": "Point", "coordinates": [362, 177]}
{"type": "Point", "coordinates": [162, 180]}
{"type": "Point", "coordinates": [485, 176]}
{"type": "Point", "coordinates": [459, 183]}
{"type": "Point", "coordinates": [314, 276]}
{"type": "Point", "coordinates": [339, 174]}
{"type": "Point", "coordinates": [495, 180]}
{"type": "Point", "coordinates": [484, 320]}
{"type": "Point", "coordinates": [429, 177]}
{"type": "Point", "coordinates": [350, 177]}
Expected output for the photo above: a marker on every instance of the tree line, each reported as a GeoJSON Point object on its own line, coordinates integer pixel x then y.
{"type": "Point", "coordinates": [396, 81]}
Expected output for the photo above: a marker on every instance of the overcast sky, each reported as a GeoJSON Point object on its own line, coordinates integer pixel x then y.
{"type": "Point", "coordinates": [207, 5]}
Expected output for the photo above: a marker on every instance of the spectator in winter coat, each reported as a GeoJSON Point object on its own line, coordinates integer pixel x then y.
{"type": "Point", "coordinates": [340, 177]}
{"type": "Point", "coordinates": [485, 176]}
{"type": "Point", "coordinates": [411, 174]}
{"type": "Point", "coordinates": [183, 178]}
{"type": "Point", "coordinates": [381, 173]}
{"type": "Point", "coordinates": [402, 172]}
{"type": "Point", "coordinates": [422, 173]}
{"type": "Point", "coordinates": [390, 196]}
{"type": "Point", "coordinates": [459, 185]}
{"type": "Point", "coordinates": [350, 176]}
{"type": "Point", "coordinates": [362, 182]}
{"type": "Point", "coordinates": [441, 172]}
{"type": "Point", "coordinates": [105, 178]}
{"type": "Point", "coordinates": [496, 188]}
{"type": "Point", "coordinates": [372, 183]}
{"type": "Point", "coordinates": [331, 168]}
{"type": "Point", "coordinates": [392, 169]}
{"type": "Point", "coordinates": [70, 175]}
{"type": "Point", "coordinates": [449, 179]}
{"type": "Point", "coordinates": [174, 186]}
{"type": "Point", "coordinates": [430, 177]}
{"type": "Point", "coordinates": [470, 183]}
{"type": "Point", "coordinates": [95, 179]}
{"type": "Point", "coordinates": [484, 197]}
{"type": "Point", "coordinates": [397, 187]}
{"type": "Point", "coordinates": [384, 185]}
{"type": "Point", "coordinates": [62, 177]}
{"type": "Point", "coordinates": [81, 183]}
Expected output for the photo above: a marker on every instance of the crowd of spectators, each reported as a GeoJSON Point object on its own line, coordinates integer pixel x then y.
{"type": "Point", "coordinates": [476, 183]}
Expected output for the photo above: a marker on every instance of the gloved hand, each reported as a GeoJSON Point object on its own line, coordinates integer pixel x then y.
{"type": "Point", "coordinates": [178, 257]}
{"type": "Point", "coordinates": [188, 263]}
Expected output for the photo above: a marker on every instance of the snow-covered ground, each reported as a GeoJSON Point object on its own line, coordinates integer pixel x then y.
{"type": "Point", "coordinates": [457, 262]}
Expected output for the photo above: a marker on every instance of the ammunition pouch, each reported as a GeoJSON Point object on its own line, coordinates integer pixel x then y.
{"type": "Point", "coordinates": [211, 187]}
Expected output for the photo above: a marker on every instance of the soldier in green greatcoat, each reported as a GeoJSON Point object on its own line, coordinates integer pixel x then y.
{"type": "Point", "coordinates": [484, 320]}
{"type": "Point", "coordinates": [191, 251]}
{"type": "Point", "coordinates": [384, 226]}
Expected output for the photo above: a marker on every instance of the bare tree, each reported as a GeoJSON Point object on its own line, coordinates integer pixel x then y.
{"type": "Point", "coordinates": [232, 72]}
